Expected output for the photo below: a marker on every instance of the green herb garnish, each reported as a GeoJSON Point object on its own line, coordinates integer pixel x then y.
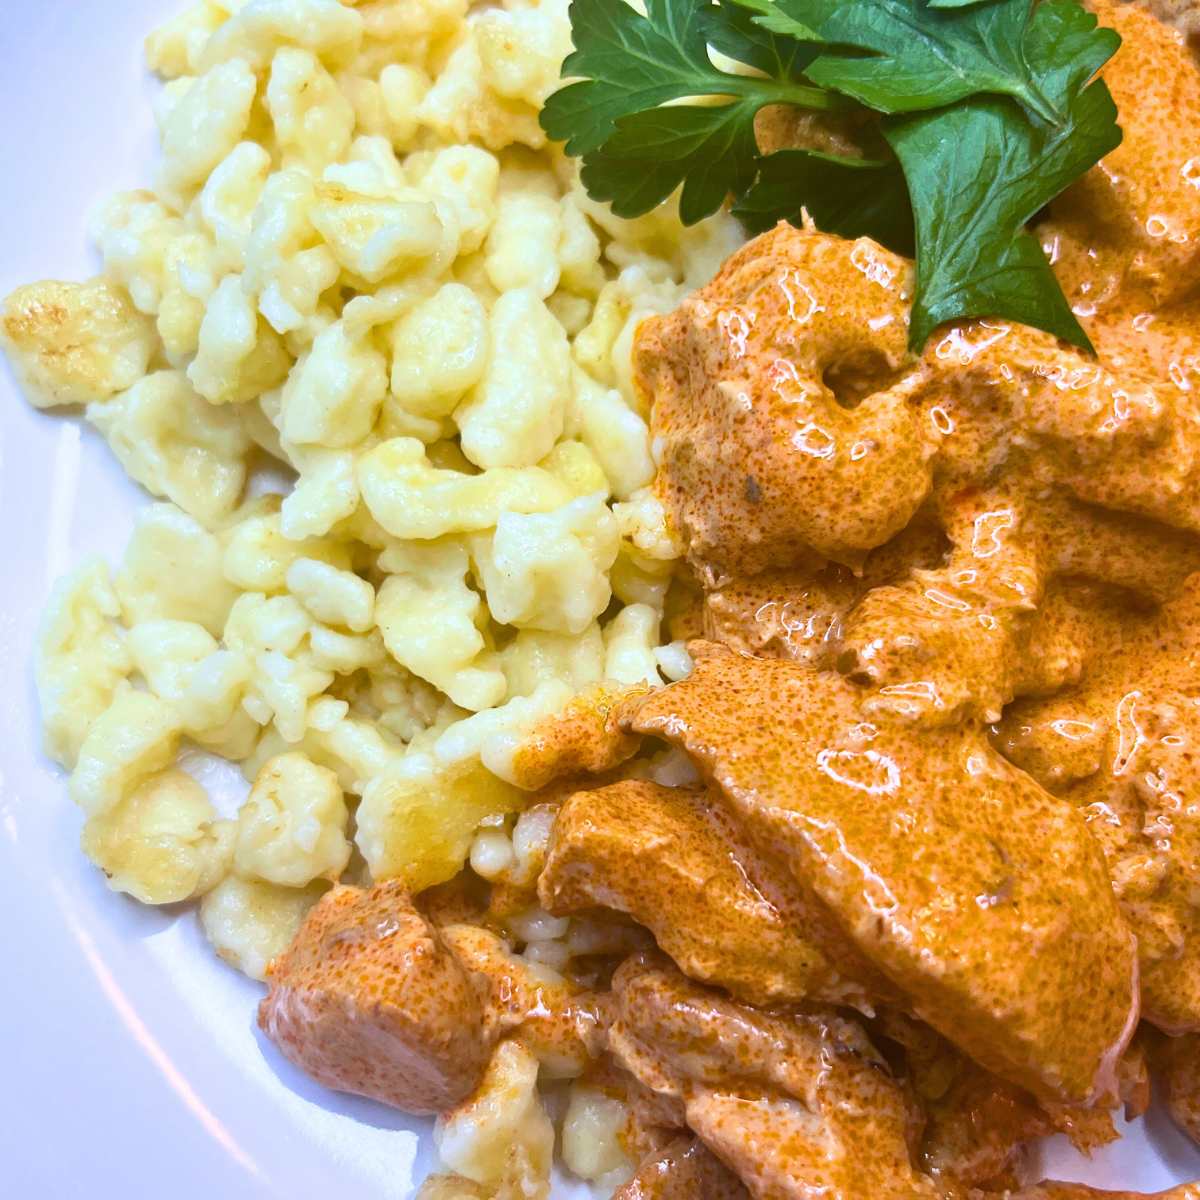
{"type": "Point", "coordinates": [987, 111]}
{"type": "Point", "coordinates": [635, 152]}
{"type": "Point", "coordinates": [848, 196]}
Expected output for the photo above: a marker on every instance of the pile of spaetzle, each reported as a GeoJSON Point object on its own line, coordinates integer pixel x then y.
{"type": "Point", "coordinates": [363, 264]}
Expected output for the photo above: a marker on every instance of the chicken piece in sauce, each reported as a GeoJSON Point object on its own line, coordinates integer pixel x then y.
{"type": "Point", "coordinates": [374, 998]}
{"type": "Point", "coordinates": [929, 538]}
{"type": "Point", "coordinates": [800, 1103]}
{"type": "Point", "coordinates": [981, 898]}
{"type": "Point", "coordinates": [977, 1127]}
{"type": "Point", "coordinates": [1129, 230]}
{"type": "Point", "coordinates": [673, 859]}
{"type": "Point", "coordinates": [963, 640]}
{"type": "Point", "coordinates": [1123, 746]}
{"type": "Point", "coordinates": [685, 1170]}
{"type": "Point", "coordinates": [796, 1103]}
{"type": "Point", "coordinates": [761, 465]}
{"type": "Point", "coordinates": [1178, 1060]}
{"type": "Point", "coordinates": [801, 613]}
{"type": "Point", "coordinates": [369, 999]}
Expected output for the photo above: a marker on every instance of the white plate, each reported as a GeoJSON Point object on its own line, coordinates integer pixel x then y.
{"type": "Point", "coordinates": [129, 1062]}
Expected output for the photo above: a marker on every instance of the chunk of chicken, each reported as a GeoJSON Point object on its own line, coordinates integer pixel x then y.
{"type": "Point", "coordinates": [980, 897]}
{"type": "Point", "coordinates": [796, 1104]}
{"type": "Point", "coordinates": [977, 1127]}
{"type": "Point", "coordinates": [674, 860]}
{"type": "Point", "coordinates": [800, 613]}
{"type": "Point", "coordinates": [685, 1170]}
{"type": "Point", "coordinates": [977, 1133]}
{"type": "Point", "coordinates": [369, 999]}
{"type": "Point", "coordinates": [1012, 402]}
{"type": "Point", "coordinates": [562, 1024]}
{"type": "Point", "coordinates": [965, 638]}
{"type": "Point", "coordinates": [1179, 1061]}
{"type": "Point", "coordinates": [1131, 225]}
{"type": "Point", "coordinates": [1046, 429]}
{"type": "Point", "coordinates": [761, 464]}
{"type": "Point", "coordinates": [1124, 747]}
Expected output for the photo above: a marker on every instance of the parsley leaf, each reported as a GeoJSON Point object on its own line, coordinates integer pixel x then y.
{"type": "Point", "coordinates": [922, 57]}
{"type": "Point", "coordinates": [981, 173]}
{"type": "Point", "coordinates": [636, 153]}
{"type": "Point", "coordinates": [986, 106]}
{"type": "Point", "coordinates": [732, 29]}
{"type": "Point", "coordinates": [784, 16]}
{"type": "Point", "coordinates": [852, 197]}
{"type": "Point", "coordinates": [710, 149]}
{"type": "Point", "coordinates": [632, 64]}
{"type": "Point", "coordinates": [1064, 48]}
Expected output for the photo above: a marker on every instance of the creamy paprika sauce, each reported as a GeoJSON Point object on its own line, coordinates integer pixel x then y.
{"type": "Point", "coordinates": [925, 883]}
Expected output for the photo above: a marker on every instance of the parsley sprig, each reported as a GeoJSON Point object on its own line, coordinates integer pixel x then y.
{"type": "Point", "coordinates": [987, 111]}
{"type": "Point", "coordinates": [635, 152]}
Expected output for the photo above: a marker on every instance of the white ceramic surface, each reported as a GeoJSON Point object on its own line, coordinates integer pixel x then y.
{"type": "Point", "coordinates": [129, 1062]}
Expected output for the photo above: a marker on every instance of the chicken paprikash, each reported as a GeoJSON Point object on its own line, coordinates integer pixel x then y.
{"type": "Point", "coordinates": [725, 712]}
{"type": "Point", "coordinates": [907, 872]}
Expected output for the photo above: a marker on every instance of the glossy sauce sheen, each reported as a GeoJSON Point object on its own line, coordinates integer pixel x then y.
{"type": "Point", "coordinates": [943, 851]}
{"type": "Point", "coordinates": [670, 858]}
{"type": "Point", "coordinates": [981, 898]}
{"type": "Point", "coordinates": [685, 1170]}
{"type": "Point", "coordinates": [369, 999]}
{"type": "Point", "coordinates": [796, 437]}
{"type": "Point", "coordinates": [373, 998]}
{"type": "Point", "coordinates": [797, 1104]}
